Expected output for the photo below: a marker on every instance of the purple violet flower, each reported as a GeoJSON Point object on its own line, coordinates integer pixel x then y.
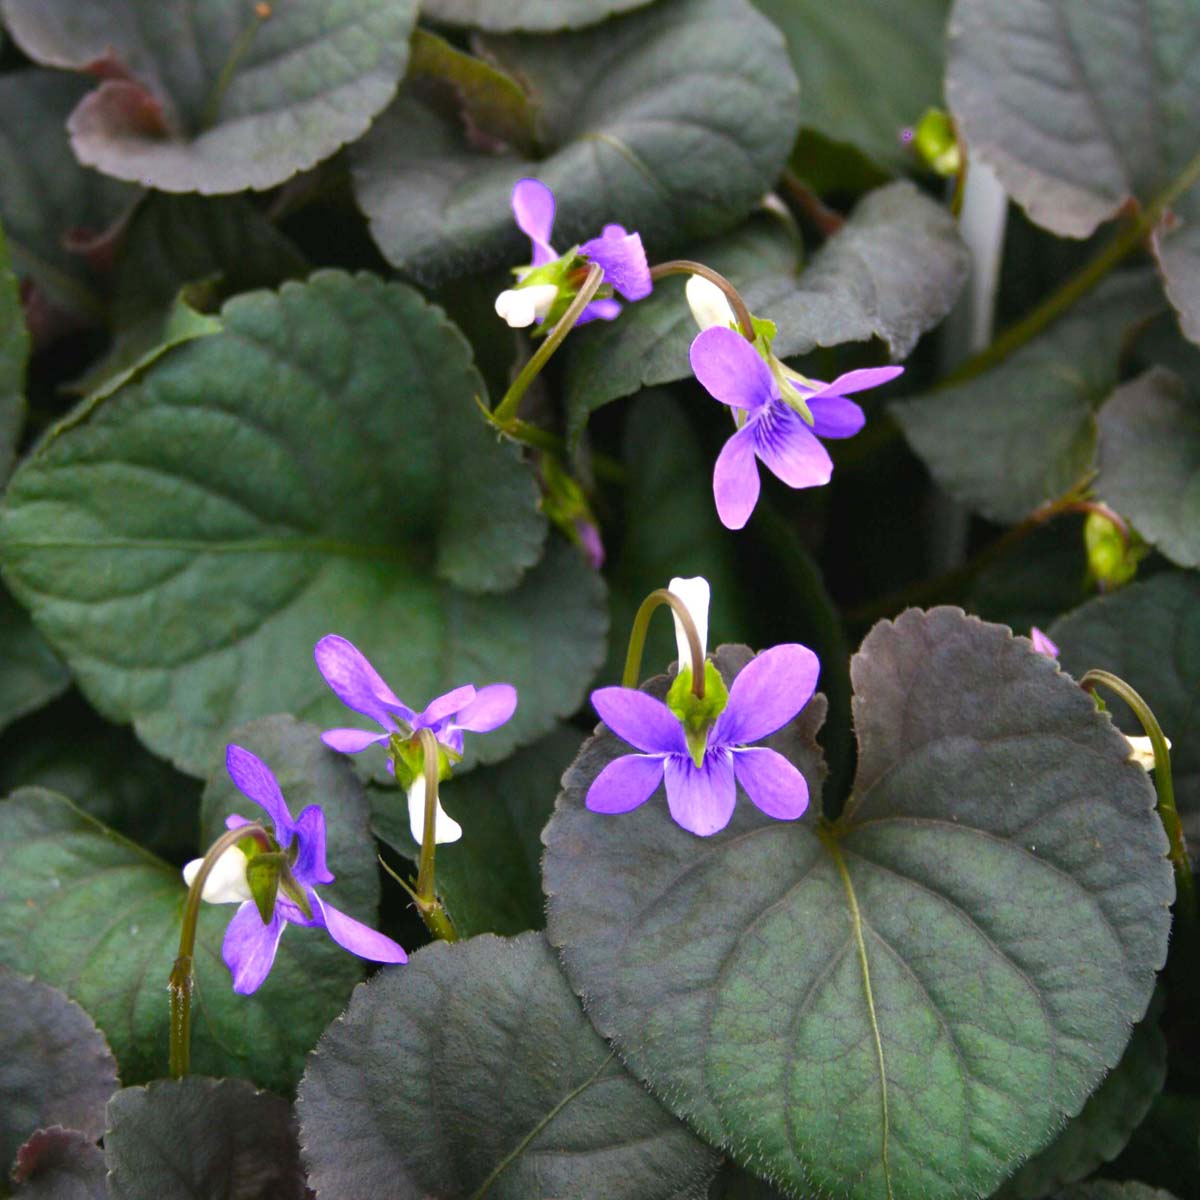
{"type": "Point", "coordinates": [250, 944]}
{"type": "Point", "coordinates": [771, 429]}
{"type": "Point", "coordinates": [767, 693]}
{"type": "Point", "coordinates": [359, 686]}
{"type": "Point", "coordinates": [1042, 644]}
{"type": "Point", "coordinates": [617, 251]}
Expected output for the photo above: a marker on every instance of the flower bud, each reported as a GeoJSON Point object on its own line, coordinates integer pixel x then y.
{"type": "Point", "coordinates": [521, 306]}
{"type": "Point", "coordinates": [709, 306]}
{"type": "Point", "coordinates": [1141, 750]}
{"type": "Point", "coordinates": [695, 594]}
{"type": "Point", "coordinates": [226, 882]}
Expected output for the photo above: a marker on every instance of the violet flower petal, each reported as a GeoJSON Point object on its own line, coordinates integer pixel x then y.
{"type": "Point", "coordinates": [642, 721]}
{"type": "Point", "coordinates": [356, 683]}
{"type": "Point", "coordinates": [492, 707]}
{"type": "Point", "coordinates": [351, 741]}
{"type": "Point", "coordinates": [766, 694]}
{"type": "Point", "coordinates": [533, 209]}
{"type": "Point", "coordinates": [701, 799]}
{"type": "Point", "coordinates": [1042, 644]}
{"type": "Point", "coordinates": [625, 783]}
{"type": "Point", "coordinates": [235, 821]}
{"type": "Point", "coordinates": [836, 417]}
{"type": "Point", "coordinates": [599, 310]}
{"type": "Point", "coordinates": [310, 864]}
{"type": "Point", "coordinates": [789, 448]}
{"type": "Point", "coordinates": [354, 936]}
{"type": "Point", "coordinates": [249, 947]}
{"type": "Point", "coordinates": [731, 369]}
{"type": "Point", "coordinates": [772, 783]}
{"type": "Point", "coordinates": [857, 381]}
{"type": "Point", "coordinates": [253, 778]}
{"type": "Point", "coordinates": [623, 258]}
{"type": "Point", "coordinates": [444, 706]}
{"type": "Point", "coordinates": [735, 479]}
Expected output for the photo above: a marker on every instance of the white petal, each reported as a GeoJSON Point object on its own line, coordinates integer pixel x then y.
{"type": "Point", "coordinates": [226, 882]}
{"type": "Point", "coordinates": [1141, 750]}
{"type": "Point", "coordinates": [445, 828]}
{"type": "Point", "coordinates": [695, 594]}
{"type": "Point", "coordinates": [520, 307]}
{"type": "Point", "coordinates": [709, 306]}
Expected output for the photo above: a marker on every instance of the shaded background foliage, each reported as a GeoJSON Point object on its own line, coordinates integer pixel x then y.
{"type": "Point", "coordinates": [247, 265]}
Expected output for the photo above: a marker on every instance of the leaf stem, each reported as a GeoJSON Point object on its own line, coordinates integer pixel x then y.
{"type": "Point", "coordinates": [637, 639]}
{"type": "Point", "coordinates": [1185, 884]}
{"type": "Point", "coordinates": [685, 266]}
{"type": "Point", "coordinates": [1082, 282]}
{"type": "Point", "coordinates": [180, 983]}
{"type": "Point", "coordinates": [242, 43]}
{"type": "Point", "coordinates": [505, 412]}
{"type": "Point", "coordinates": [436, 919]}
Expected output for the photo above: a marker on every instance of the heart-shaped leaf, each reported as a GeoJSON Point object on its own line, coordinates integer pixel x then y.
{"type": "Point", "coordinates": [909, 1001]}
{"type": "Point", "coordinates": [891, 272]}
{"type": "Point", "coordinates": [1107, 1121]}
{"type": "Point", "coordinates": [531, 16]}
{"type": "Point", "coordinates": [55, 1066]}
{"type": "Point", "coordinates": [1105, 113]}
{"type": "Point", "coordinates": [50, 204]}
{"type": "Point", "coordinates": [652, 121]}
{"type": "Point", "coordinates": [473, 1072]}
{"type": "Point", "coordinates": [1004, 458]}
{"type": "Point", "coordinates": [216, 1138]}
{"type": "Point", "coordinates": [864, 73]}
{"type": "Point", "coordinates": [60, 1164]}
{"type": "Point", "coordinates": [221, 97]}
{"type": "Point", "coordinates": [319, 466]}
{"type": "Point", "coordinates": [489, 880]}
{"type": "Point", "coordinates": [91, 913]}
{"type": "Point", "coordinates": [1149, 462]}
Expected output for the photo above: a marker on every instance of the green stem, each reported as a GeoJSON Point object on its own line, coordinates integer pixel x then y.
{"type": "Point", "coordinates": [1185, 885]}
{"type": "Point", "coordinates": [505, 412]}
{"type": "Point", "coordinates": [237, 52]}
{"type": "Point", "coordinates": [1079, 284]}
{"type": "Point", "coordinates": [180, 983]}
{"type": "Point", "coordinates": [685, 266]}
{"type": "Point", "coordinates": [637, 640]}
{"type": "Point", "coordinates": [436, 919]}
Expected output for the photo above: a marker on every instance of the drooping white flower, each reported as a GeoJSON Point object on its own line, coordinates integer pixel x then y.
{"type": "Point", "coordinates": [521, 306]}
{"type": "Point", "coordinates": [1141, 750]}
{"type": "Point", "coordinates": [695, 594]}
{"type": "Point", "coordinates": [708, 303]}
{"type": "Point", "coordinates": [226, 882]}
{"type": "Point", "coordinates": [445, 829]}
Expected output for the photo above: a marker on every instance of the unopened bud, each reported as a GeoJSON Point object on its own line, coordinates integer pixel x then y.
{"type": "Point", "coordinates": [708, 303]}
{"type": "Point", "coordinates": [521, 306]}
{"type": "Point", "coordinates": [226, 882]}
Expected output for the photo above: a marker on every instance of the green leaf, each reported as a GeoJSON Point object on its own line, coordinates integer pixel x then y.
{"type": "Point", "coordinates": [31, 675]}
{"type": "Point", "coordinates": [402, 1095]}
{"type": "Point", "coordinates": [1150, 462]}
{"type": "Point", "coordinates": [221, 97]}
{"type": "Point", "coordinates": [1025, 432]}
{"type": "Point", "coordinates": [1165, 1149]}
{"type": "Point", "coordinates": [105, 770]}
{"type": "Point", "coordinates": [14, 352]}
{"type": "Point", "coordinates": [489, 880]}
{"type": "Point", "coordinates": [1100, 1132]}
{"type": "Point", "coordinates": [46, 196]}
{"type": "Point", "coordinates": [60, 1164]}
{"type": "Point", "coordinates": [732, 1183]}
{"type": "Point", "coordinates": [216, 1138]}
{"type": "Point", "coordinates": [864, 74]}
{"type": "Point", "coordinates": [653, 121]}
{"type": "Point", "coordinates": [532, 16]}
{"type": "Point", "coordinates": [58, 1069]}
{"type": "Point", "coordinates": [89, 912]}
{"type": "Point", "coordinates": [319, 466]}
{"type": "Point", "coordinates": [1149, 634]}
{"type": "Point", "coordinates": [912, 1000]}
{"type": "Point", "coordinates": [308, 773]}
{"type": "Point", "coordinates": [1102, 116]}
{"type": "Point", "coordinates": [891, 272]}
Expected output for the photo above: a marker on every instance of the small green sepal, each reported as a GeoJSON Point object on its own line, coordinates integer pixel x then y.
{"type": "Point", "coordinates": [408, 759]}
{"type": "Point", "coordinates": [263, 874]}
{"type": "Point", "coordinates": [294, 892]}
{"type": "Point", "coordinates": [697, 715]}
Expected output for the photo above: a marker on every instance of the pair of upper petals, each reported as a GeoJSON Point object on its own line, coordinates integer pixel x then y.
{"type": "Point", "coordinates": [617, 252]}
{"type": "Point", "coordinates": [767, 693]}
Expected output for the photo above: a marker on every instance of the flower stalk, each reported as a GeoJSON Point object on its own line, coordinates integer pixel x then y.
{"type": "Point", "coordinates": [436, 919]}
{"type": "Point", "coordinates": [637, 640]}
{"type": "Point", "coordinates": [180, 983]}
{"type": "Point", "coordinates": [1185, 885]}
{"type": "Point", "coordinates": [685, 266]}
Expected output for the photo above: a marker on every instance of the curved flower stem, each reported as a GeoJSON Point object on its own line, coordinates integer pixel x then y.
{"type": "Point", "coordinates": [685, 266]}
{"type": "Point", "coordinates": [436, 919]}
{"type": "Point", "coordinates": [504, 412]}
{"type": "Point", "coordinates": [637, 640]}
{"type": "Point", "coordinates": [237, 52]}
{"type": "Point", "coordinates": [1185, 884]}
{"type": "Point", "coordinates": [180, 983]}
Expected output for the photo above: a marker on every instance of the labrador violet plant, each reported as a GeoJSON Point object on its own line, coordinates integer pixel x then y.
{"type": "Point", "coordinates": [272, 364]}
